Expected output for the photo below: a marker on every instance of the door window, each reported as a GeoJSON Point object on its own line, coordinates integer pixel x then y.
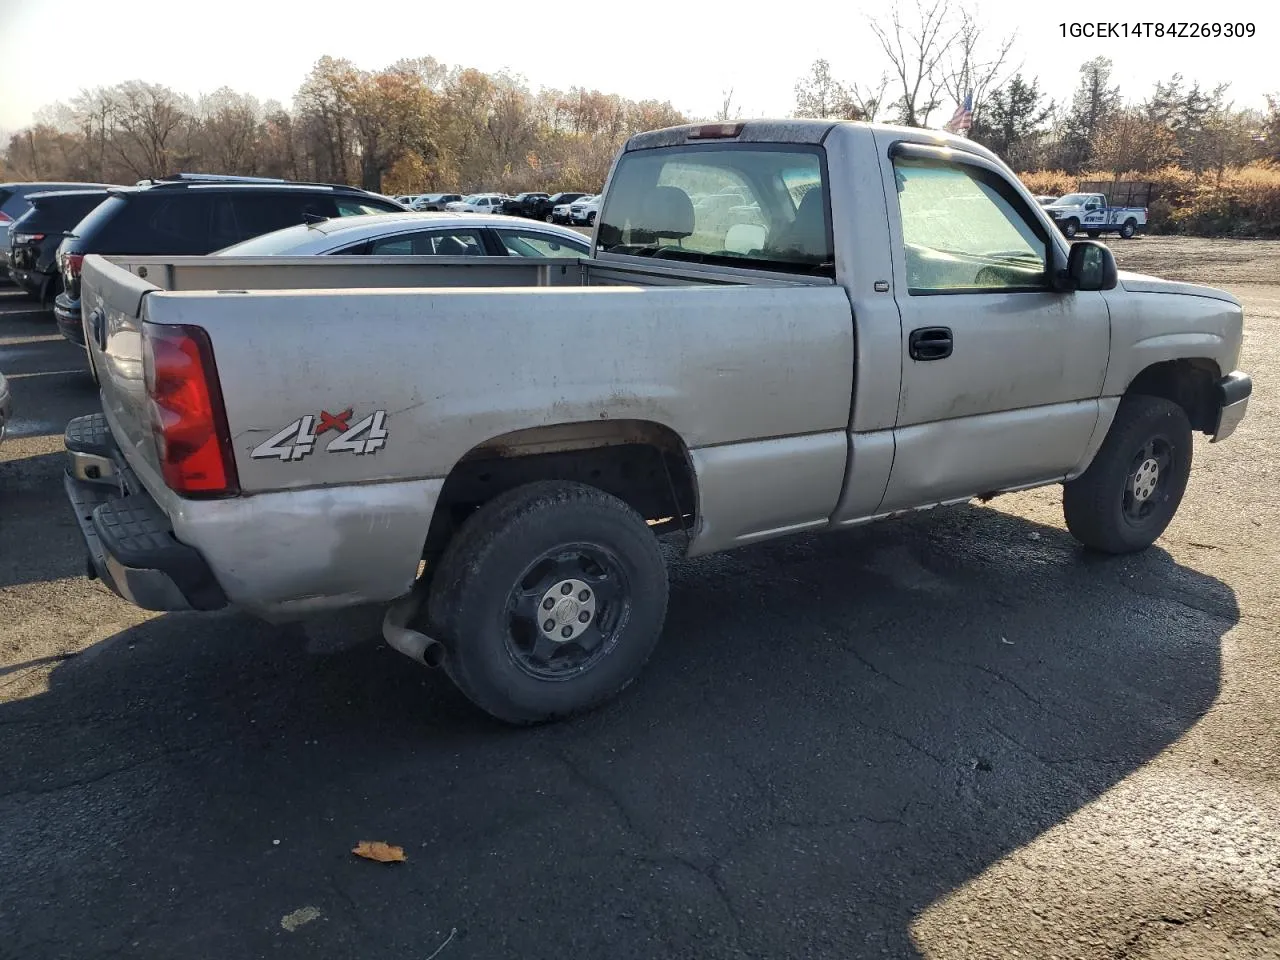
{"type": "Point", "coordinates": [530, 243]}
{"type": "Point", "coordinates": [358, 206]}
{"type": "Point", "coordinates": [436, 243]}
{"type": "Point", "coordinates": [965, 231]}
{"type": "Point", "coordinates": [180, 224]}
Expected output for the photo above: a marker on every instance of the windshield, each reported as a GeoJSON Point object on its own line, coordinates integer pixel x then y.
{"type": "Point", "coordinates": [742, 205]}
{"type": "Point", "coordinates": [269, 244]}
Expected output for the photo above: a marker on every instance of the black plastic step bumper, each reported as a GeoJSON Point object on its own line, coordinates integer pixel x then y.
{"type": "Point", "coordinates": [131, 545]}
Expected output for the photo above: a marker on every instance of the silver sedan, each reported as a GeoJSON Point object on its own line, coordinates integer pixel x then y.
{"type": "Point", "coordinates": [417, 234]}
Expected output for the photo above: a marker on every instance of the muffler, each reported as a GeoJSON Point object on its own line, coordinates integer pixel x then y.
{"type": "Point", "coordinates": [412, 643]}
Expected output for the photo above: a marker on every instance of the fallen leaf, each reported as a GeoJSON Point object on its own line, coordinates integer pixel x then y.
{"type": "Point", "coordinates": [292, 921]}
{"type": "Point", "coordinates": [377, 850]}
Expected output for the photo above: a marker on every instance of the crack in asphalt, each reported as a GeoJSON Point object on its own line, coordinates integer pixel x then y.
{"type": "Point", "coordinates": [997, 674]}
{"type": "Point", "coordinates": [107, 774]}
{"type": "Point", "coordinates": [898, 735]}
{"type": "Point", "coordinates": [1055, 761]}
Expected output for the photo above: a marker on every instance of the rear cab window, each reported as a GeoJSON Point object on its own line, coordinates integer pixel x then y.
{"type": "Point", "coordinates": [757, 206]}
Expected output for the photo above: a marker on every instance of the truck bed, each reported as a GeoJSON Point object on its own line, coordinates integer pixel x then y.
{"type": "Point", "coordinates": [752, 374]}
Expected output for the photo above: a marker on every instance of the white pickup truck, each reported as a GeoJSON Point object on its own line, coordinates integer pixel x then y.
{"type": "Point", "coordinates": [491, 448]}
{"type": "Point", "coordinates": [1092, 214]}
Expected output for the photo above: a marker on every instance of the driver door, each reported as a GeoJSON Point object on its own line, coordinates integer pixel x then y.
{"type": "Point", "coordinates": [1001, 374]}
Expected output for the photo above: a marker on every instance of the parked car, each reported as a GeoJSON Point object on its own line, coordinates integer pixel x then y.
{"type": "Point", "coordinates": [477, 203]}
{"type": "Point", "coordinates": [1045, 201]}
{"type": "Point", "coordinates": [435, 201]}
{"type": "Point", "coordinates": [35, 236]}
{"type": "Point", "coordinates": [542, 209]}
{"type": "Point", "coordinates": [418, 234]}
{"type": "Point", "coordinates": [493, 459]}
{"type": "Point", "coordinates": [523, 204]}
{"type": "Point", "coordinates": [583, 211]}
{"type": "Point", "coordinates": [192, 214]}
{"type": "Point", "coordinates": [13, 204]}
{"type": "Point", "coordinates": [6, 408]}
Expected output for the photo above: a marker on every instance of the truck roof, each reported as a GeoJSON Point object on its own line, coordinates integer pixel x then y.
{"type": "Point", "coordinates": [795, 130]}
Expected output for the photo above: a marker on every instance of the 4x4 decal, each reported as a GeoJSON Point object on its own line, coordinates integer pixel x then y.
{"type": "Point", "coordinates": [301, 437]}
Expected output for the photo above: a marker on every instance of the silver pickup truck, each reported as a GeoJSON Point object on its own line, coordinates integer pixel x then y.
{"type": "Point", "coordinates": [875, 320]}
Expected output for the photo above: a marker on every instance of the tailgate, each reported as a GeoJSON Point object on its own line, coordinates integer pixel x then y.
{"type": "Point", "coordinates": [111, 302]}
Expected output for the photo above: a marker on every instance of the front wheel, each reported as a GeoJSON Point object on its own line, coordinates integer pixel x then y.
{"type": "Point", "coordinates": [1128, 229]}
{"type": "Point", "coordinates": [550, 218]}
{"type": "Point", "coordinates": [591, 219]}
{"type": "Point", "coordinates": [549, 601]}
{"type": "Point", "coordinates": [1071, 228]}
{"type": "Point", "coordinates": [1131, 491]}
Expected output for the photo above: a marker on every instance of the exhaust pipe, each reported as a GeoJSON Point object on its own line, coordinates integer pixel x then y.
{"type": "Point", "coordinates": [412, 643]}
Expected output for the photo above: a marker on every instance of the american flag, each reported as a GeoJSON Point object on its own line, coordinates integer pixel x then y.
{"type": "Point", "coordinates": [962, 119]}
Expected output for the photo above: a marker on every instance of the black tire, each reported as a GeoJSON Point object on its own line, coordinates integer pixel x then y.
{"type": "Point", "coordinates": [1100, 506]}
{"type": "Point", "coordinates": [591, 219]}
{"type": "Point", "coordinates": [510, 548]}
{"type": "Point", "coordinates": [51, 291]}
{"type": "Point", "coordinates": [550, 218]}
{"type": "Point", "coordinates": [1094, 234]}
{"type": "Point", "coordinates": [1071, 227]}
{"type": "Point", "coordinates": [1129, 228]}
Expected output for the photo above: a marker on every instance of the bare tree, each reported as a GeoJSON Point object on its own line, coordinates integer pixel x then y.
{"type": "Point", "coordinates": [972, 66]}
{"type": "Point", "coordinates": [821, 95]}
{"type": "Point", "coordinates": [147, 117]}
{"type": "Point", "coordinates": [727, 110]}
{"type": "Point", "coordinates": [917, 44]}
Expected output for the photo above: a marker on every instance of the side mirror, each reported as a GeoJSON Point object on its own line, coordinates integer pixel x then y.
{"type": "Point", "coordinates": [1091, 266]}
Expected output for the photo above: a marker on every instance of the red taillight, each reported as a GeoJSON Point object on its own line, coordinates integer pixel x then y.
{"type": "Point", "coordinates": [71, 264]}
{"type": "Point", "coordinates": [27, 237]}
{"type": "Point", "coordinates": [5, 218]}
{"type": "Point", "coordinates": [715, 131]}
{"type": "Point", "coordinates": [184, 406]}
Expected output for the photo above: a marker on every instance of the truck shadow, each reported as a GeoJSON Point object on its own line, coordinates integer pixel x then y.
{"type": "Point", "coordinates": [834, 733]}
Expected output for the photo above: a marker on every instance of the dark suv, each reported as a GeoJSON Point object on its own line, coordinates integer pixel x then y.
{"type": "Point", "coordinates": [523, 204]}
{"type": "Point", "coordinates": [34, 238]}
{"type": "Point", "coordinates": [195, 214]}
{"type": "Point", "coordinates": [542, 209]}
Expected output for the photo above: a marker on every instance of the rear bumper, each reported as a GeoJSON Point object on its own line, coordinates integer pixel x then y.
{"type": "Point", "coordinates": [67, 312]}
{"type": "Point", "coordinates": [1234, 391]}
{"type": "Point", "coordinates": [129, 540]}
{"type": "Point", "coordinates": [28, 280]}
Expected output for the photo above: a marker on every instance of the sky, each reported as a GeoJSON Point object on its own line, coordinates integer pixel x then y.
{"type": "Point", "coordinates": [689, 53]}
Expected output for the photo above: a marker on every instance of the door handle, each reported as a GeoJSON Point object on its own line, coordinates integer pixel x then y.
{"type": "Point", "coordinates": [930, 343]}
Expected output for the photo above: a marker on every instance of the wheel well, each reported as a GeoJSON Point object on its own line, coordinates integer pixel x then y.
{"type": "Point", "coordinates": [644, 464]}
{"type": "Point", "coordinates": [1191, 384]}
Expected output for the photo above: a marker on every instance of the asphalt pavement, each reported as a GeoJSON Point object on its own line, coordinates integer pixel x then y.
{"type": "Point", "coordinates": [950, 736]}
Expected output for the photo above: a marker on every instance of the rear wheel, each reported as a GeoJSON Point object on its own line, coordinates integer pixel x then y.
{"type": "Point", "coordinates": [1131, 491]}
{"type": "Point", "coordinates": [51, 291]}
{"type": "Point", "coordinates": [549, 601]}
{"type": "Point", "coordinates": [1129, 228]}
{"type": "Point", "coordinates": [550, 218]}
